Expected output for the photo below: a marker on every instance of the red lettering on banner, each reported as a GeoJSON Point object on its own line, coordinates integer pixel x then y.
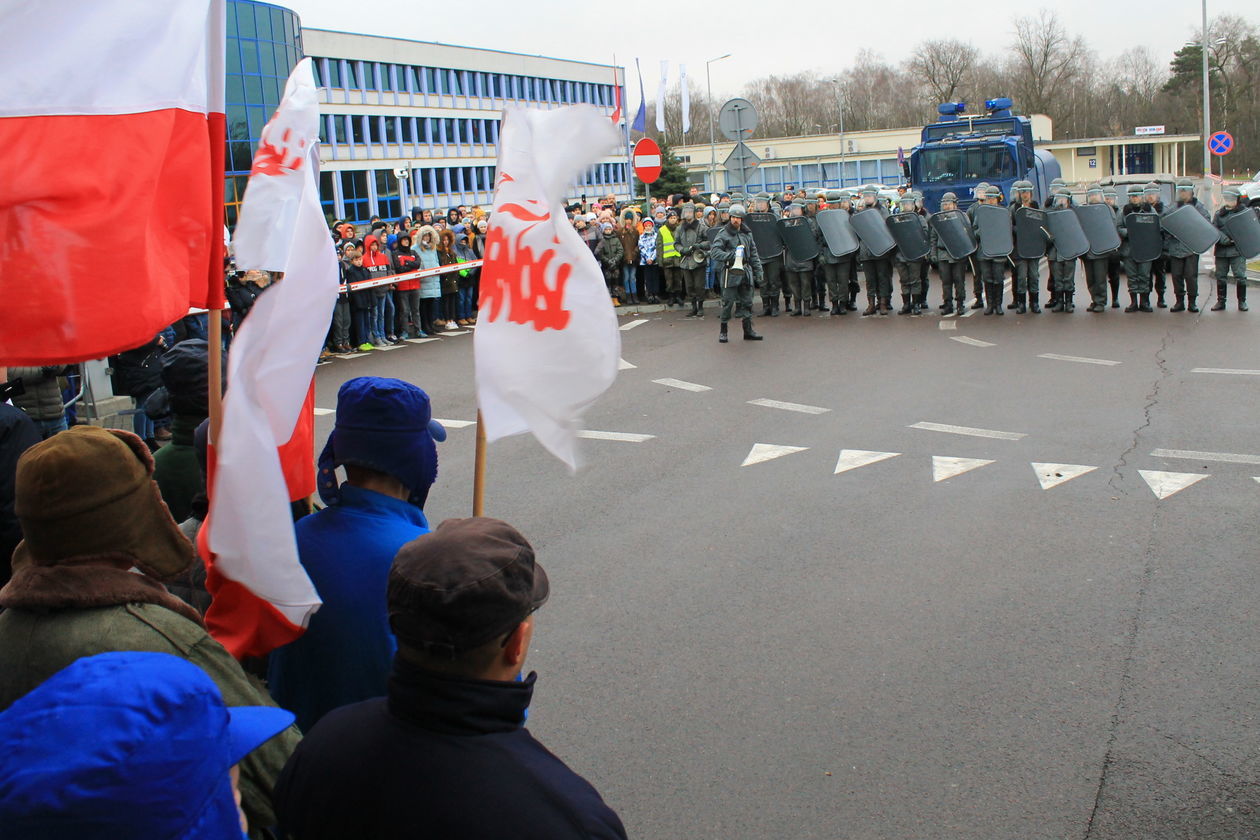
{"type": "Point", "coordinates": [515, 282]}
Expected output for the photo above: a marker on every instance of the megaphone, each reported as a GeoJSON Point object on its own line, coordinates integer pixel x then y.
{"type": "Point", "coordinates": [738, 265]}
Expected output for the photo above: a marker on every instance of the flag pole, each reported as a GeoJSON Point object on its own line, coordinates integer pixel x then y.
{"type": "Point", "coordinates": [479, 469]}
{"type": "Point", "coordinates": [215, 333]}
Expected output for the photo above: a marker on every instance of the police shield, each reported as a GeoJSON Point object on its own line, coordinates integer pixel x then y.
{"type": "Point", "coordinates": [1187, 225]}
{"type": "Point", "coordinates": [1099, 223]}
{"type": "Point", "coordinates": [910, 235]}
{"type": "Point", "coordinates": [766, 234]}
{"type": "Point", "coordinates": [954, 232]}
{"type": "Point", "coordinates": [871, 230]}
{"type": "Point", "coordinates": [1146, 240]}
{"type": "Point", "coordinates": [994, 225]}
{"type": "Point", "coordinates": [1070, 240]}
{"type": "Point", "coordinates": [837, 231]}
{"type": "Point", "coordinates": [798, 238]}
{"type": "Point", "coordinates": [1244, 229]}
{"type": "Point", "coordinates": [1030, 233]}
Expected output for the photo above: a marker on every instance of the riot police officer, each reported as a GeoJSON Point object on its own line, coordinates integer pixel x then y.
{"type": "Point", "coordinates": [1151, 196]}
{"type": "Point", "coordinates": [771, 267]}
{"type": "Point", "coordinates": [1027, 271]}
{"type": "Point", "coordinates": [739, 269]}
{"type": "Point", "coordinates": [836, 271]}
{"type": "Point", "coordinates": [953, 276]}
{"type": "Point", "coordinates": [1062, 272]}
{"type": "Point", "coordinates": [1229, 259]}
{"type": "Point", "coordinates": [973, 262]}
{"type": "Point", "coordinates": [909, 270]}
{"type": "Point", "coordinates": [1112, 200]}
{"type": "Point", "coordinates": [992, 271]}
{"type": "Point", "coordinates": [1139, 272]}
{"type": "Point", "coordinates": [1097, 265]}
{"type": "Point", "coordinates": [800, 273]}
{"type": "Point", "coordinates": [1183, 263]}
{"type": "Point", "coordinates": [878, 270]}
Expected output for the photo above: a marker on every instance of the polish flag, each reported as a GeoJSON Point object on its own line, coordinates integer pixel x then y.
{"type": "Point", "coordinates": [111, 197]}
{"type": "Point", "coordinates": [264, 453]}
{"type": "Point", "coordinates": [547, 344]}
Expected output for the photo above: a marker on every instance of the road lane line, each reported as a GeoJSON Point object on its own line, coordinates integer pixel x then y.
{"type": "Point", "coordinates": [974, 342]}
{"type": "Point", "coordinates": [681, 385]}
{"type": "Point", "coordinates": [967, 430]}
{"type": "Point", "coordinates": [620, 437]}
{"type": "Point", "coordinates": [1230, 371]}
{"type": "Point", "coordinates": [354, 355]}
{"type": "Point", "coordinates": [420, 340]}
{"type": "Point", "coordinates": [762, 452]}
{"type": "Point", "coordinates": [1085, 360]}
{"type": "Point", "coordinates": [1192, 455]}
{"type": "Point", "coordinates": [789, 406]}
{"type": "Point", "coordinates": [948, 325]}
{"type": "Point", "coordinates": [632, 324]}
{"type": "Point", "coordinates": [455, 332]}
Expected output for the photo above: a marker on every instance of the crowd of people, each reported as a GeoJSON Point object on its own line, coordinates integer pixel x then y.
{"type": "Point", "coordinates": [399, 712]}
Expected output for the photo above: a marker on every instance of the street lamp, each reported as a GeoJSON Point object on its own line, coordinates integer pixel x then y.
{"type": "Point", "coordinates": [712, 143]}
{"type": "Point", "coordinates": [1207, 101]}
{"type": "Point", "coordinates": [840, 106]}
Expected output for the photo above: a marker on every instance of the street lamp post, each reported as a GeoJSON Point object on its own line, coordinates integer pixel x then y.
{"type": "Point", "coordinates": [708, 79]}
{"type": "Point", "coordinates": [1207, 102]}
{"type": "Point", "coordinates": [840, 107]}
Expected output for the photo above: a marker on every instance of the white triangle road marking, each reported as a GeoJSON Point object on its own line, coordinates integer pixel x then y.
{"type": "Point", "coordinates": [945, 467]}
{"type": "Point", "coordinates": [456, 424]}
{"type": "Point", "coordinates": [851, 459]}
{"type": "Point", "coordinates": [1164, 484]}
{"type": "Point", "coordinates": [622, 364]}
{"type": "Point", "coordinates": [762, 452]}
{"type": "Point", "coordinates": [320, 412]}
{"type": "Point", "coordinates": [1052, 475]}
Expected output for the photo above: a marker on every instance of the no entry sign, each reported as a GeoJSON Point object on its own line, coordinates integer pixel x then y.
{"type": "Point", "coordinates": [647, 161]}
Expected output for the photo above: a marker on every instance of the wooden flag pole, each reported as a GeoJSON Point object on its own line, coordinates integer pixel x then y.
{"type": "Point", "coordinates": [215, 333]}
{"type": "Point", "coordinates": [479, 470]}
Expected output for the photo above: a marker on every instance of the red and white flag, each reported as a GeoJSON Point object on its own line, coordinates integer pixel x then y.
{"type": "Point", "coordinates": [111, 192]}
{"type": "Point", "coordinates": [262, 595]}
{"type": "Point", "coordinates": [547, 343]}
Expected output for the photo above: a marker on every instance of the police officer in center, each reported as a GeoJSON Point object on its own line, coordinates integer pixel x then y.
{"type": "Point", "coordinates": [739, 269]}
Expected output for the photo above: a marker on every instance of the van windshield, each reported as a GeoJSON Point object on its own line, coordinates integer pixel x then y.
{"type": "Point", "coordinates": [966, 163]}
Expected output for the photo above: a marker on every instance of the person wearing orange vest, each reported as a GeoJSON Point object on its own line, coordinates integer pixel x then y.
{"type": "Point", "coordinates": [670, 258]}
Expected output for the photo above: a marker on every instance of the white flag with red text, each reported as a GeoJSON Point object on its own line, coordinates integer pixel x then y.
{"type": "Point", "coordinates": [547, 344]}
{"type": "Point", "coordinates": [262, 595]}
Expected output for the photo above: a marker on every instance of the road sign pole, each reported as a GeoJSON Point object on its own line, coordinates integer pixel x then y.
{"type": "Point", "coordinates": [743, 174]}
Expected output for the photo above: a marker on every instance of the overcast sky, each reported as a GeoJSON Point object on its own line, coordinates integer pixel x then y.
{"type": "Point", "coordinates": [763, 36]}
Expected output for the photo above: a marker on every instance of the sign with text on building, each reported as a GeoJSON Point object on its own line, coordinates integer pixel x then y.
{"type": "Point", "coordinates": [1143, 130]}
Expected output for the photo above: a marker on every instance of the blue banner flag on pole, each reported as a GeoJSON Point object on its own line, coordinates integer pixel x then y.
{"type": "Point", "coordinates": [640, 119]}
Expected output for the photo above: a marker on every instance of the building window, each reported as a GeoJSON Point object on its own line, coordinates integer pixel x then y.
{"type": "Point", "coordinates": [388, 197]}
{"type": "Point", "coordinates": [339, 133]}
{"type": "Point", "coordinates": [409, 129]}
{"type": "Point", "coordinates": [891, 172]}
{"type": "Point", "coordinates": [354, 195]}
{"type": "Point", "coordinates": [391, 129]}
{"type": "Point", "coordinates": [374, 129]}
{"type": "Point", "coordinates": [333, 67]}
{"type": "Point", "coordinates": [327, 196]}
{"type": "Point", "coordinates": [358, 131]}
{"type": "Point", "coordinates": [350, 74]}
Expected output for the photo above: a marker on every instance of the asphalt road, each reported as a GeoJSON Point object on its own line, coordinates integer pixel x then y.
{"type": "Point", "coordinates": [780, 651]}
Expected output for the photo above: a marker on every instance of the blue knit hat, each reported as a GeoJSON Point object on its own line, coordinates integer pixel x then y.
{"type": "Point", "coordinates": [126, 744]}
{"type": "Point", "coordinates": [384, 425]}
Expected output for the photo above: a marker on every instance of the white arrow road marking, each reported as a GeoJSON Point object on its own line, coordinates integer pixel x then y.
{"type": "Point", "coordinates": [682, 386]}
{"type": "Point", "coordinates": [1164, 484]}
{"type": "Point", "coordinates": [789, 406]}
{"type": "Point", "coordinates": [1232, 371]}
{"type": "Point", "coordinates": [851, 459]}
{"type": "Point", "coordinates": [421, 340]}
{"type": "Point", "coordinates": [967, 430]}
{"type": "Point", "coordinates": [631, 325]}
{"type": "Point", "coordinates": [1052, 475]}
{"type": "Point", "coordinates": [389, 347]}
{"type": "Point", "coordinates": [354, 355]}
{"type": "Point", "coordinates": [1082, 359]}
{"type": "Point", "coordinates": [621, 437]}
{"type": "Point", "coordinates": [974, 342]}
{"type": "Point", "coordinates": [456, 424]}
{"type": "Point", "coordinates": [322, 412]}
{"type": "Point", "coordinates": [943, 467]}
{"type": "Point", "coordinates": [622, 364]}
{"type": "Point", "coordinates": [762, 452]}
{"type": "Point", "coordinates": [948, 325]}
{"type": "Point", "coordinates": [1192, 455]}
{"type": "Point", "coordinates": [455, 332]}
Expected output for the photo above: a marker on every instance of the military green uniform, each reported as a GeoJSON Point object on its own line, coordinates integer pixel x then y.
{"type": "Point", "coordinates": [837, 272]}
{"type": "Point", "coordinates": [1229, 259]}
{"type": "Point", "coordinates": [692, 242]}
{"type": "Point", "coordinates": [1183, 263]}
{"type": "Point", "coordinates": [736, 285]}
{"type": "Point", "coordinates": [1139, 272]}
{"type": "Point", "coordinates": [952, 271]}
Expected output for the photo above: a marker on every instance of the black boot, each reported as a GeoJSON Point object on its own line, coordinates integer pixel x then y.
{"type": "Point", "coordinates": [1020, 308]}
{"type": "Point", "coordinates": [905, 304]}
{"type": "Point", "coordinates": [1192, 295]}
{"type": "Point", "coordinates": [1179, 305]}
{"type": "Point", "coordinates": [1242, 295]}
{"type": "Point", "coordinates": [749, 335]}
{"type": "Point", "coordinates": [767, 306]}
{"type": "Point", "coordinates": [1221, 291]}
{"type": "Point", "coordinates": [774, 307]}
{"type": "Point", "coordinates": [1054, 300]}
{"type": "Point", "coordinates": [1133, 303]}
{"type": "Point", "coordinates": [1058, 304]}
{"type": "Point", "coordinates": [692, 313]}
{"type": "Point", "coordinates": [996, 294]}
{"type": "Point", "coordinates": [722, 335]}
{"type": "Point", "coordinates": [1159, 300]}
{"type": "Point", "coordinates": [806, 307]}
{"type": "Point", "coordinates": [1145, 305]}
{"type": "Point", "coordinates": [1034, 302]}
{"type": "Point", "coordinates": [1069, 305]}
{"type": "Point", "coordinates": [699, 308]}
{"type": "Point", "coordinates": [787, 304]}
{"type": "Point", "coordinates": [947, 308]}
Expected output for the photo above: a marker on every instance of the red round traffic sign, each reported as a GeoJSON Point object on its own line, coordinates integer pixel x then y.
{"type": "Point", "coordinates": [647, 161]}
{"type": "Point", "coordinates": [1221, 143]}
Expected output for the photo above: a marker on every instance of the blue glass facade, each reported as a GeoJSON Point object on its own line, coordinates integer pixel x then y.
{"type": "Point", "coordinates": [264, 42]}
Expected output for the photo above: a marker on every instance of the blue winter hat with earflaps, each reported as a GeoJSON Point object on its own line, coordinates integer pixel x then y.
{"type": "Point", "coordinates": [385, 425]}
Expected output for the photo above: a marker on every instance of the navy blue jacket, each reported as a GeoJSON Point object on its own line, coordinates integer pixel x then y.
{"type": "Point", "coordinates": [441, 757]}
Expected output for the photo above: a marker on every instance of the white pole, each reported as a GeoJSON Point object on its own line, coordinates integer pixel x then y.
{"type": "Point", "coordinates": [708, 78]}
{"type": "Point", "coordinates": [1207, 100]}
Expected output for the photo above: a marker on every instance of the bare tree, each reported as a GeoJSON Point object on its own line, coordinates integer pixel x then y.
{"type": "Point", "coordinates": [944, 66]}
{"type": "Point", "coordinates": [1046, 59]}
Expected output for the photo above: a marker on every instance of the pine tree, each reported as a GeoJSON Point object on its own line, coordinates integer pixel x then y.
{"type": "Point", "coordinates": [674, 177]}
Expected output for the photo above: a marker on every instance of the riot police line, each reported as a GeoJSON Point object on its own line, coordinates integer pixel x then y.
{"type": "Point", "coordinates": [807, 256]}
